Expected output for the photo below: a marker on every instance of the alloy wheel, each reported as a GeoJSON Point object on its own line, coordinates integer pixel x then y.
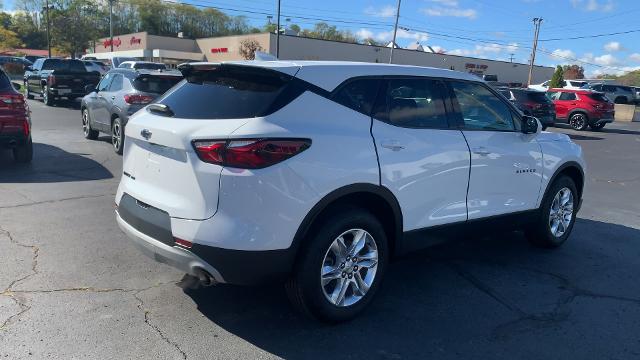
{"type": "Point", "coordinates": [116, 135]}
{"type": "Point", "coordinates": [561, 212]}
{"type": "Point", "coordinates": [85, 122]}
{"type": "Point", "coordinates": [578, 121]}
{"type": "Point", "coordinates": [349, 267]}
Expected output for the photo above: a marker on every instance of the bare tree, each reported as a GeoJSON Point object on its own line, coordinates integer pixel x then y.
{"type": "Point", "coordinates": [248, 48]}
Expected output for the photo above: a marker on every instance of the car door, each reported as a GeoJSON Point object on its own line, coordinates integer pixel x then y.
{"type": "Point", "coordinates": [506, 164]}
{"type": "Point", "coordinates": [33, 77]}
{"type": "Point", "coordinates": [99, 111]}
{"type": "Point", "coordinates": [565, 101]}
{"type": "Point", "coordinates": [423, 161]}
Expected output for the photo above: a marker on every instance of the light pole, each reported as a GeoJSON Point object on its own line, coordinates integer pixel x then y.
{"type": "Point", "coordinates": [395, 30]}
{"type": "Point", "coordinates": [278, 33]}
{"type": "Point", "coordinates": [111, 23]}
{"type": "Point", "coordinates": [536, 23]}
{"type": "Point", "coordinates": [48, 34]}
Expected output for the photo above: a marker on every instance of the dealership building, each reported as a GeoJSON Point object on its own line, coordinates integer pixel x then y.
{"type": "Point", "coordinates": [177, 50]}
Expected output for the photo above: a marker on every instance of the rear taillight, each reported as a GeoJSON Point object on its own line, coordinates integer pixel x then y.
{"type": "Point", "coordinates": [26, 128]}
{"type": "Point", "coordinates": [533, 106]}
{"type": "Point", "coordinates": [51, 80]}
{"type": "Point", "coordinates": [183, 243]}
{"type": "Point", "coordinates": [12, 101]}
{"type": "Point", "coordinates": [137, 99]}
{"type": "Point", "coordinates": [249, 153]}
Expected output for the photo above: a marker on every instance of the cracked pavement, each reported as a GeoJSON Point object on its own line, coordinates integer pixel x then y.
{"type": "Point", "coordinates": [73, 287]}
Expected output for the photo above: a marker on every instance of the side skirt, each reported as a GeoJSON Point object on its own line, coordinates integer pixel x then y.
{"type": "Point", "coordinates": [423, 238]}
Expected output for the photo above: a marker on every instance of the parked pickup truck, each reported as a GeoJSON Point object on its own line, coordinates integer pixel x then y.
{"type": "Point", "coordinates": [56, 78]}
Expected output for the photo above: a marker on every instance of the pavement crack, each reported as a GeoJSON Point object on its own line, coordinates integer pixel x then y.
{"type": "Point", "coordinates": [155, 327]}
{"type": "Point", "coordinates": [56, 200]}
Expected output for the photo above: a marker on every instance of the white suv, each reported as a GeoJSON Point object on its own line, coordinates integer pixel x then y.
{"type": "Point", "coordinates": [317, 173]}
{"type": "Point", "coordinates": [568, 84]}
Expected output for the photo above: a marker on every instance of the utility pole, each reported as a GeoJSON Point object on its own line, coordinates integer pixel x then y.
{"type": "Point", "coordinates": [278, 33]}
{"type": "Point", "coordinates": [536, 23]}
{"type": "Point", "coordinates": [395, 31]}
{"type": "Point", "coordinates": [511, 57]}
{"type": "Point", "coordinates": [111, 23]}
{"type": "Point", "coordinates": [48, 34]}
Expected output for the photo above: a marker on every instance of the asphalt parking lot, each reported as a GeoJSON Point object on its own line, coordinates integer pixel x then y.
{"type": "Point", "coordinates": [72, 285]}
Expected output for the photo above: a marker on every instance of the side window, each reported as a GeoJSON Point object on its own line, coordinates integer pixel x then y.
{"type": "Point", "coordinates": [38, 64]}
{"type": "Point", "coordinates": [359, 95]}
{"type": "Point", "coordinates": [597, 87]}
{"type": "Point", "coordinates": [116, 84]}
{"type": "Point", "coordinates": [481, 109]}
{"type": "Point", "coordinates": [553, 95]}
{"type": "Point", "coordinates": [567, 96]}
{"type": "Point", "coordinates": [105, 82]}
{"type": "Point", "coordinates": [546, 83]}
{"type": "Point", "coordinates": [413, 103]}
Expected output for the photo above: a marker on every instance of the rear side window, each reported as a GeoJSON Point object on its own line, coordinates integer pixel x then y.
{"type": "Point", "coordinates": [64, 65]}
{"type": "Point", "coordinates": [155, 84]}
{"type": "Point", "coordinates": [5, 83]}
{"type": "Point", "coordinates": [227, 92]}
{"type": "Point", "coordinates": [598, 97]}
{"type": "Point", "coordinates": [532, 96]}
{"type": "Point", "coordinates": [567, 96]}
{"type": "Point", "coordinates": [359, 95]}
{"type": "Point", "coordinates": [413, 103]}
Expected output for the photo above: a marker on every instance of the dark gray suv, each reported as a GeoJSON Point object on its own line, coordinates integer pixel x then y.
{"type": "Point", "coordinates": [120, 93]}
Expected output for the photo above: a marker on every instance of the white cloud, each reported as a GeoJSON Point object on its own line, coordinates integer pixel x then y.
{"type": "Point", "coordinates": [386, 11]}
{"type": "Point", "coordinates": [593, 5]}
{"type": "Point", "coordinates": [485, 51]}
{"type": "Point", "coordinates": [613, 46]}
{"type": "Point", "coordinates": [449, 8]}
{"type": "Point", "coordinates": [564, 55]}
{"type": "Point", "coordinates": [635, 57]}
{"type": "Point", "coordinates": [364, 34]}
{"type": "Point", "coordinates": [388, 35]}
{"type": "Point", "coordinates": [606, 60]}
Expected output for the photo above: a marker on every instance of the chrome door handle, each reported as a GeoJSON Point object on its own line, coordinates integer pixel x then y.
{"type": "Point", "coordinates": [392, 145]}
{"type": "Point", "coordinates": [481, 151]}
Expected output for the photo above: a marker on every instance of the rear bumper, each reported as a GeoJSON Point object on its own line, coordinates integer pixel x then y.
{"type": "Point", "coordinates": [66, 92]}
{"type": "Point", "coordinates": [10, 141]}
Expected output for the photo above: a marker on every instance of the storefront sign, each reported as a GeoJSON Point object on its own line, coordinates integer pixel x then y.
{"type": "Point", "coordinates": [219, 50]}
{"type": "Point", "coordinates": [116, 42]}
{"type": "Point", "coordinates": [135, 40]}
{"type": "Point", "coordinates": [477, 67]}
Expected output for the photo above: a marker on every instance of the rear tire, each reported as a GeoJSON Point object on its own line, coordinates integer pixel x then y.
{"type": "Point", "coordinates": [24, 153]}
{"type": "Point", "coordinates": [28, 93]}
{"type": "Point", "coordinates": [557, 215]}
{"type": "Point", "coordinates": [117, 136]}
{"type": "Point", "coordinates": [89, 133]}
{"type": "Point", "coordinates": [579, 121]}
{"type": "Point", "coordinates": [330, 286]}
{"type": "Point", "coordinates": [46, 96]}
{"type": "Point", "coordinates": [620, 100]}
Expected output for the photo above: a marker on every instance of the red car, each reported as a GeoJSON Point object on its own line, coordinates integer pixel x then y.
{"type": "Point", "coordinates": [582, 108]}
{"type": "Point", "coordinates": [15, 122]}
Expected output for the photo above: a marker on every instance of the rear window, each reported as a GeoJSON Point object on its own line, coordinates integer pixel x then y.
{"type": "Point", "coordinates": [598, 97]}
{"type": "Point", "coordinates": [149, 66]}
{"type": "Point", "coordinates": [5, 83]}
{"type": "Point", "coordinates": [533, 96]}
{"type": "Point", "coordinates": [155, 84]}
{"type": "Point", "coordinates": [64, 65]}
{"type": "Point", "coordinates": [227, 92]}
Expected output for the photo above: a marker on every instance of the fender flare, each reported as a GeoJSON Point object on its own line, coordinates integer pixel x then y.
{"type": "Point", "coordinates": [557, 172]}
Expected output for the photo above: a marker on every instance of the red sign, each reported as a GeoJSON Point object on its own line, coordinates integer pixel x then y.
{"type": "Point", "coordinates": [135, 40]}
{"type": "Point", "coordinates": [219, 50]}
{"type": "Point", "coordinates": [476, 66]}
{"type": "Point", "coordinates": [116, 42]}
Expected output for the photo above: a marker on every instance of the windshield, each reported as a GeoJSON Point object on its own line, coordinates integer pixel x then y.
{"type": "Point", "coordinates": [150, 66]}
{"type": "Point", "coordinates": [64, 65]}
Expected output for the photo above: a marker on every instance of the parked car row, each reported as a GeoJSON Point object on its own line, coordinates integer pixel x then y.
{"type": "Point", "coordinates": [15, 121]}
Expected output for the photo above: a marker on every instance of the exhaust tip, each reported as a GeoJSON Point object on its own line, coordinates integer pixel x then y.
{"type": "Point", "coordinates": [206, 279]}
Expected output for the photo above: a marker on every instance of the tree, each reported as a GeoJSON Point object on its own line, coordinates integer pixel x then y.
{"type": "Point", "coordinates": [248, 48]}
{"type": "Point", "coordinates": [9, 39]}
{"type": "Point", "coordinates": [295, 28]}
{"type": "Point", "coordinates": [573, 72]}
{"type": "Point", "coordinates": [557, 80]}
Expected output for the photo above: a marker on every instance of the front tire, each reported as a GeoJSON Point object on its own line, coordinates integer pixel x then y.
{"type": "Point", "coordinates": [341, 266]}
{"type": "Point", "coordinates": [47, 99]}
{"type": "Point", "coordinates": [23, 154]}
{"type": "Point", "coordinates": [579, 121]}
{"type": "Point", "coordinates": [28, 93]}
{"type": "Point", "coordinates": [117, 135]}
{"type": "Point", "coordinates": [557, 215]}
{"type": "Point", "coordinates": [89, 133]}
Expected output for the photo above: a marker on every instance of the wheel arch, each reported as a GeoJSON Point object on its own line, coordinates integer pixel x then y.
{"type": "Point", "coordinates": [576, 111]}
{"type": "Point", "coordinates": [574, 171]}
{"type": "Point", "coordinates": [375, 198]}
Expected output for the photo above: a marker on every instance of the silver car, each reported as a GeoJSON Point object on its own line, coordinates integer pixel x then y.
{"type": "Point", "coordinates": [121, 93]}
{"type": "Point", "coordinates": [619, 94]}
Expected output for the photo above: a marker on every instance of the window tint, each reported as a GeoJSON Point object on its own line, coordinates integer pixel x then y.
{"type": "Point", "coordinates": [413, 103]}
{"type": "Point", "coordinates": [481, 109]}
{"type": "Point", "coordinates": [64, 65]}
{"type": "Point", "coordinates": [597, 87]}
{"type": "Point", "coordinates": [533, 96]}
{"type": "Point", "coordinates": [5, 83]}
{"type": "Point", "coordinates": [608, 88]}
{"type": "Point", "coordinates": [149, 66]}
{"type": "Point", "coordinates": [229, 92]}
{"type": "Point", "coordinates": [553, 95]}
{"type": "Point", "coordinates": [116, 84]}
{"type": "Point", "coordinates": [105, 82]}
{"type": "Point", "coordinates": [567, 96]}
{"type": "Point", "coordinates": [359, 95]}
{"type": "Point", "coordinates": [598, 97]}
{"type": "Point", "coordinates": [155, 84]}
{"type": "Point", "coordinates": [37, 64]}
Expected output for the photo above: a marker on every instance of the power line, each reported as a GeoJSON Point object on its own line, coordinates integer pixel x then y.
{"type": "Point", "coordinates": [593, 36]}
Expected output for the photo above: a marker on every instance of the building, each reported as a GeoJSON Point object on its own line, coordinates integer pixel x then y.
{"type": "Point", "coordinates": [178, 50]}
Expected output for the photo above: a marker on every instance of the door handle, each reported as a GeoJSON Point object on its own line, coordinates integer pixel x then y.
{"type": "Point", "coordinates": [113, 98]}
{"type": "Point", "coordinates": [481, 151]}
{"type": "Point", "coordinates": [392, 145]}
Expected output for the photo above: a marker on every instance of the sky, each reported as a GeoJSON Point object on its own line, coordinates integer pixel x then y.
{"type": "Point", "coordinates": [493, 29]}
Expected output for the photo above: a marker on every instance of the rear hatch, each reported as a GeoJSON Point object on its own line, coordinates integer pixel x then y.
{"type": "Point", "coordinates": [70, 74]}
{"type": "Point", "coordinates": [13, 109]}
{"type": "Point", "coordinates": [149, 86]}
{"type": "Point", "coordinates": [160, 165]}
{"type": "Point", "coordinates": [536, 102]}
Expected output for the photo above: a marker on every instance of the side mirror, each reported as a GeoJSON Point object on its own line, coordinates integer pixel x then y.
{"type": "Point", "coordinates": [89, 89]}
{"type": "Point", "coordinates": [17, 86]}
{"type": "Point", "coordinates": [529, 124]}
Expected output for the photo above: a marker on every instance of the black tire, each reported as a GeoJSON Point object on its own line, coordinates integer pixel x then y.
{"type": "Point", "coordinates": [305, 288]}
{"type": "Point", "coordinates": [620, 100]}
{"type": "Point", "coordinates": [89, 133]}
{"type": "Point", "coordinates": [597, 127]}
{"type": "Point", "coordinates": [24, 153]}
{"type": "Point", "coordinates": [117, 135]}
{"type": "Point", "coordinates": [540, 232]}
{"type": "Point", "coordinates": [28, 93]}
{"type": "Point", "coordinates": [579, 121]}
{"type": "Point", "coordinates": [47, 99]}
